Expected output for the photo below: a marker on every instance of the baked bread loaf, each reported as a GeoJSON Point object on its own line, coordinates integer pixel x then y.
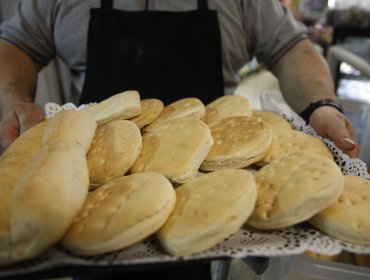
{"type": "Point", "coordinates": [238, 142]}
{"type": "Point", "coordinates": [348, 217]}
{"type": "Point", "coordinates": [274, 120]}
{"type": "Point", "coordinates": [175, 148]}
{"type": "Point", "coordinates": [46, 199]}
{"type": "Point", "coordinates": [71, 126]}
{"type": "Point", "coordinates": [120, 213]}
{"type": "Point", "coordinates": [185, 107]}
{"type": "Point", "coordinates": [227, 106]}
{"type": "Point", "coordinates": [124, 105]}
{"type": "Point", "coordinates": [12, 163]}
{"type": "Point", "coordinates": [150, 110]}
{"type": "Point", "coordinates": [115, 148]}
{"type": "Point", "coordinates": [208, 209]}
{"type": "Point", "coordinates": [293, 189]}
{"type": "Point", "coordinates": [285, 142]}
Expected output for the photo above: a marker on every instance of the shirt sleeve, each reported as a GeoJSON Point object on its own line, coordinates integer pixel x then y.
{"type": "Point", "coordinates": [271, 30]}
{"type": "Point", "coordinates": [30, 29]}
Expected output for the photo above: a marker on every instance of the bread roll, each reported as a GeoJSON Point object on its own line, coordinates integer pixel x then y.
{"type": "Point", "coordinates": [120, 213]}
{"type": "Point", "coordinates": [124, 105]}
{"type": "Point", "coordinates": [71, 126]}
{"type": "Point", "coordinates": [348, 217]}
{"type": "Point", "coordinates": [208, 209]}
{"type": "Point", "coordinates": [238, 142]}
{"type": "Point", "coordinates": [176, 148]}
{"type": "Point", "coordinates": [185, 107]}
{"type": "Point", "coordinates": [47, 197]}
{"type": "Point", "coordinates": [227, 106]}
{"type": "Point", "coordinates": [151, 108]}
{"type": "Point", "coordinates": [12, 163]}
{"type": "Point", "coordinates": [115, 148]}
{"type": "Point", "coordinates": [293, 189]}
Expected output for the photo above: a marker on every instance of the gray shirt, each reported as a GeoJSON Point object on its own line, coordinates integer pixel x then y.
{"type": "Point", "coordinates": [263, 29]}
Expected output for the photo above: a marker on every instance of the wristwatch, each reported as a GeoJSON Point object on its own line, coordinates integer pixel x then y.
{"type": "Point", "coordinates": [306, 113]}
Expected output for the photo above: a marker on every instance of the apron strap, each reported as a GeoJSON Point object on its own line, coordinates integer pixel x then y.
{"type": "Point", "coordinates": [108, 4]}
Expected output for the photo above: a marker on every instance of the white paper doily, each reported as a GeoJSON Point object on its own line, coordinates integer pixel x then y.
{"type": "Point", "coordinates": [246, 242]}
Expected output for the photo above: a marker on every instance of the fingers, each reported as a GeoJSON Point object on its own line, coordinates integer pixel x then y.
{"type": "Point", "coordinates": [330, 123]}
{"type": "Point", "coordinates": [16, 119]}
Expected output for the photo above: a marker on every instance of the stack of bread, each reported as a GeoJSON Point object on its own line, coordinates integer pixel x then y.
{"type": "Point", "coordinates": [106, 177]}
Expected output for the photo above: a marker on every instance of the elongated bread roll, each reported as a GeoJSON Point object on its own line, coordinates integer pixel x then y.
{"type": "Point", "coordinates": [46, 199]}
{"type": "Point", "coordinates": [124, 105]}
{"type": "Point", "coordinates": [12, 163]}
{"type": "Point", "coordinates": [72, 126]}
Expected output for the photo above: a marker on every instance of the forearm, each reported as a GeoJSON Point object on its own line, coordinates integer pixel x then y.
{"type": "Point", "coordinates": [18, 75]}
{"type": "Point", "coordinates": [304, 76]}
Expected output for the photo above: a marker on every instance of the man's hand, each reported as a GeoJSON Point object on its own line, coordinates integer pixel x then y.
{"type": "Point", "coordinates": [16, 118]}
{"type": "Point", "coordinates": [332, 124]}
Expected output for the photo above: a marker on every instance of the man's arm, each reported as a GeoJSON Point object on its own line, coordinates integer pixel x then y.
{"type": "Point", "coordinates": [304, 77]}
{"type": "Point", "coordinates": [18, 80]}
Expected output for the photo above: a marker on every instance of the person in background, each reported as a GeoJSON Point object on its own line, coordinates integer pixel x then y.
{"type": "Point", "coordinates": [164, 49]}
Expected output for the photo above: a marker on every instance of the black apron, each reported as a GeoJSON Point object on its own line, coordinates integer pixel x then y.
{"type": "Point", "coordinates": [161, 54]}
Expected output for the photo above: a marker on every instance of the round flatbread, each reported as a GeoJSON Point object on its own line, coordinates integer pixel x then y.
{"type": "Point", "coordinates": [121, 213]}
{"type": "Point", "coordinates": [238, 142]}
{"type": "Point", "coordinates": [293, 189]}
{"type": "Point", "coordinates": [348, 217]}
{"type": "Point", "coordinates": [274, 120]}
{"type": "Point", "coordinates": [186, 107]}
{"type": "Point", "coordinates": [227, 106]}
{"type": "Point", "coordinates": [287, 141]}
{"type": "Point", "coordinates": [115, 148]}
{"type": "Point", "coordinates": [208, 209]}
{"type": "Point", "coordinates": [176, 148]}
{"type": "Point", "coordinates": [150, 110]}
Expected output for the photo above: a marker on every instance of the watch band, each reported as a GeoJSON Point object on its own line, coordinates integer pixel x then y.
{"type": "Point", "coordinates": [306, 113]}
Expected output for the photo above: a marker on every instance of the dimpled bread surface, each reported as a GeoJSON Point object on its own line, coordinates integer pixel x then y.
{"type": "Point", "coordinates": [115, 148]}
{"type": "Point", "coordinates": [176, 148]}
{"type": "Point", "coordinates": [285, 142]}
{"type": "Point", "coordinates": [150, 110]}
{"type": "Point", "coordinates": [208, 209]}
{"type": "Point", "coordinates": [120, 213]}
{"type": "Point", "coordinates": [185, 107]}
{"type": "Point", "coordinates": [274, 120]}
{"type": "Point", "coordinates": [293, 189]}
{"type": "Point", "coordinates": [348, 217]}
{"type": "Point", "coordinates": [227, 106]}
{"type": "Point", "coordinates": [238, 142]}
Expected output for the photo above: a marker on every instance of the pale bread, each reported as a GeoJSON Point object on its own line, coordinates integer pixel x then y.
{"type": "Point", "coordinates": [185, 107]}
{"type": "Point", "coordinates": [348, 217]}
{"type": "Point", "coordinates": [274, 120]}
{"type": "Point", "coordinates": [72, 126]}
{"type": "Point", "coordinates": [285, 142]}
{"type": "Point", "coordinates": [209, 208]}
{"type": "Point", "coordinates": [150, 110]}
{"type": "Point", "coordinates": [293, 189]}
{"type": "Point", "coordinates": [238, 142]}
{"type": "Point", "coordinates": [115, 148]}
{"type": "Point", "coordinates": [124, 105]}
{"type": "Point", "coordinates": [227, 106]}
{"type": "Point", "coordinates": [176, 148]}
{"type": "Point", "coordinates": [121, 213]}
{"type": "Point", "coordinates": [47, 197]}
{"type": "Point", "coordinates": [12, 163]}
